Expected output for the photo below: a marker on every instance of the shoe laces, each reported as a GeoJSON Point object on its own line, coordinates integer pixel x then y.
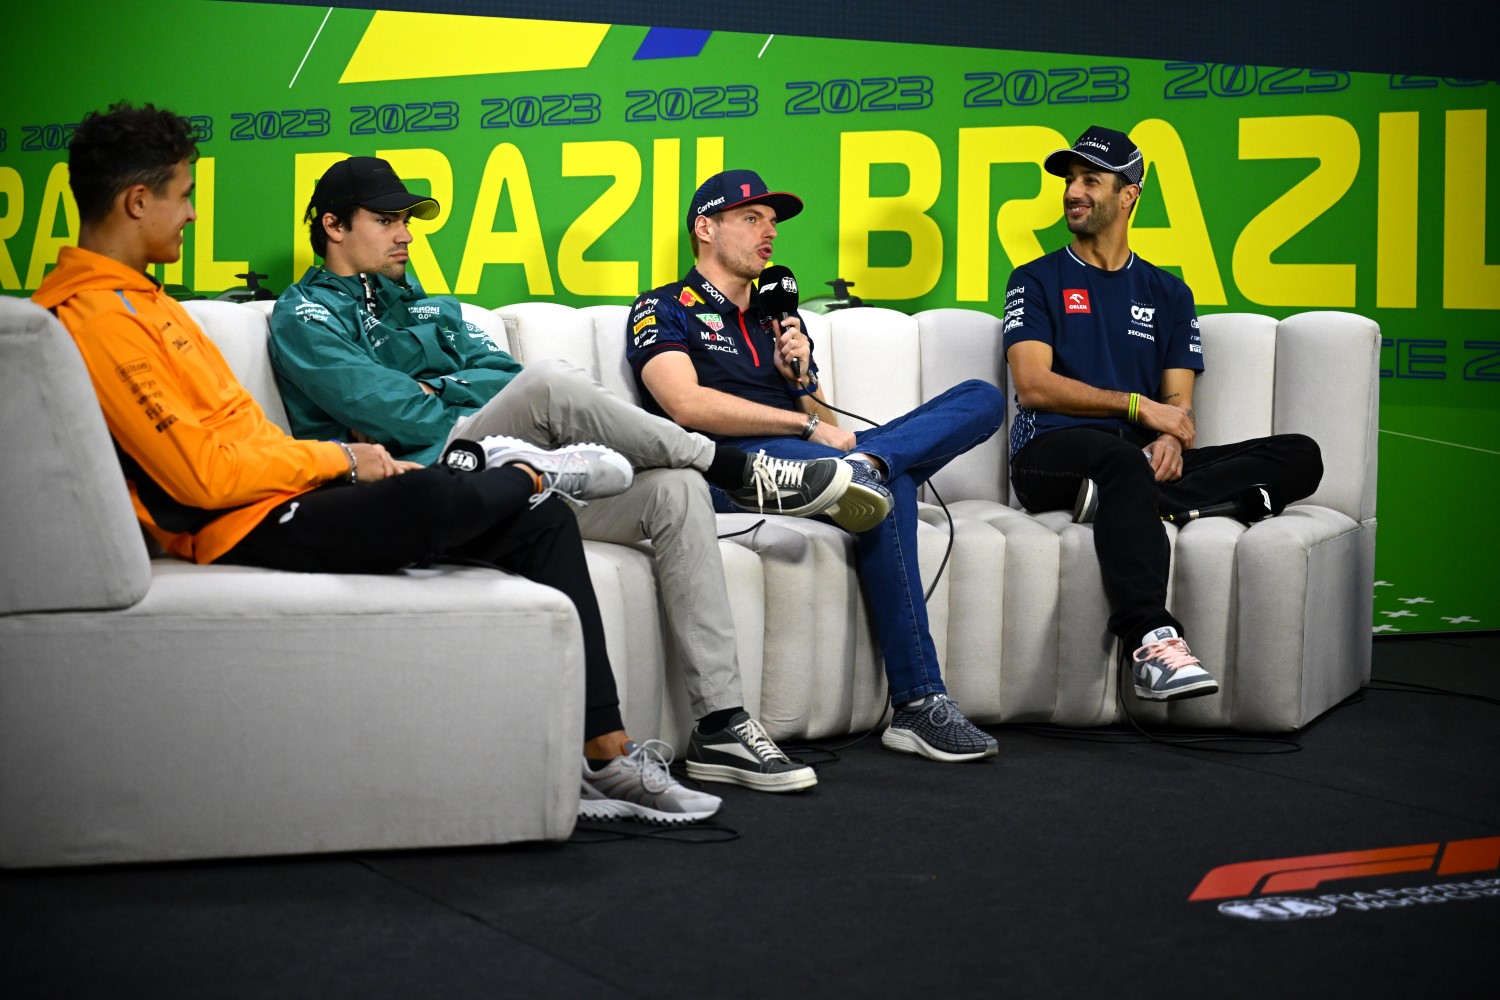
{"type": "Point", "coordinates": [760, 743]}
{"type": "Point", "coordinates": [1173, 654]}
{"type": "Point", "coordinates": [569, 478]}
{"type": "Point", "coordinates": [942, 710]}
{"type": "Point", "coordinates": [770, 474]}
{"type": "Point", "coordinates": [650, 760]}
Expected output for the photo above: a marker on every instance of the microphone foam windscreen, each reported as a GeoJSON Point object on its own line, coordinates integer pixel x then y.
{"type": "Point", "coordinates": [778, 291]}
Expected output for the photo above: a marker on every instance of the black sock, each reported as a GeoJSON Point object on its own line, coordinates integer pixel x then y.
{"type": "Point", "coordinates": [727, 470]}
{"type": "Point", "coordinates": [714, 722]}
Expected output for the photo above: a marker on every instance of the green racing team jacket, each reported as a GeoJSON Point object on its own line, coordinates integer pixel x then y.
{"type": "Point", "coordinates": [351, 354]}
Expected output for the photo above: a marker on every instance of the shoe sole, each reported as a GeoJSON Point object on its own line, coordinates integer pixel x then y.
{"type": "Point", "coordinates": [1087, 503]}
{"type": "Point", "coordinates": [906, 741]}
{"type": "Point", "coordinates": [786, 781]}
{"type": "Point", "coordinates": [860, 508]}
{"type": "Point", "coordinates": [610, 810]}
{"type": "Point", "coordinates": [1197, 689]}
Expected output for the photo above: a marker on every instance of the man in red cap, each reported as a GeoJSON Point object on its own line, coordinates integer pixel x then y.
{"type": "Point", "coordinates": [707, 355]}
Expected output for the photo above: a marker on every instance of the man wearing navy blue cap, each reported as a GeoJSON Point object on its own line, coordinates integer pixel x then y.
{"type": "Point", "coordinates": [1103, 349]}
{"type": "Point", "coordinates": [707, 355]}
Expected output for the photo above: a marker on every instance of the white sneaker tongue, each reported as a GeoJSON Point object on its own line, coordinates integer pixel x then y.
{"type": "Point", "coordinates": [1159, 635]}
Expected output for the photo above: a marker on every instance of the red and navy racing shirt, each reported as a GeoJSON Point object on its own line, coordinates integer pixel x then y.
{"type": "Point", "coordinates": [730, 348]}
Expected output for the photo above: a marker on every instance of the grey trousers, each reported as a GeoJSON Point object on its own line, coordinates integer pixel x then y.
{"type": "Point", "coordinates": [553, 403]}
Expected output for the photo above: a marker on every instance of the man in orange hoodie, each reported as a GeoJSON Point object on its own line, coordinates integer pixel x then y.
{"type": "Point", "coordinates": [212, 479]}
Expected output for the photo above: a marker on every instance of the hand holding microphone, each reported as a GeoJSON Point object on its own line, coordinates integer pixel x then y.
{"type": "Point", "coordinates": [778, 299]}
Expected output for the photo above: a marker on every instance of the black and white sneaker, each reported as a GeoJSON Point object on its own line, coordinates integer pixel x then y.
{"type": "Point", "coordinates": [742, 754]}
{"type": "Point", "coordinates": [1087, 504]}
{"type": "Point", "coordinates": [576, 472]}
{"type": "Point", "coordinates": [828, 486]}
{"type": "Point", "coordinates": [937, 730]}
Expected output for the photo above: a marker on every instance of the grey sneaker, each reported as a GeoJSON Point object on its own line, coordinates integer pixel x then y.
{"type": "Point", "coordinates": [937, 730]}
{"type": "Point", "coordinates": [866, 502]}
{"type": "Point", "coordinates": [742, 754]}
{"type": "Point", "coordinates": [576, 472]}
{"type": "Point", "coordinates": [1087, 503]}
{"type": "Point", "coordinates": [808, 488]}
{"type": "Point", "coordinates": [639, 786]}
{"type": "Point", "coordinates": [1165, 668]}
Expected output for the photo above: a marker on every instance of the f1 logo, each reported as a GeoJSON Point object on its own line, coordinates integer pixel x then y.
{"type": "Point", "coordinates": [1076, 300]}
{"type": "Point", "coordinates": [1249, 878]}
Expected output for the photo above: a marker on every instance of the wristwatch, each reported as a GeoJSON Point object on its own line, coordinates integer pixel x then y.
{"type": "Point", "coordinates": [812, 425]}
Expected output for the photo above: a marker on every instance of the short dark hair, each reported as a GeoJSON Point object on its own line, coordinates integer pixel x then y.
{"type": "Point", "coordinates": [124, 146]}
{"type": "Point", "coordinates": [316, 233]}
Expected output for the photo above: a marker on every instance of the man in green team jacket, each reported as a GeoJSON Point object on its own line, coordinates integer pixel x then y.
{"type": "Point", "coordinates": [360, 351]}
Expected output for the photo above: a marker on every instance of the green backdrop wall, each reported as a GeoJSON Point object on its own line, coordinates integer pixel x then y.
{"type": "Point", "coordinates": [563, 155]}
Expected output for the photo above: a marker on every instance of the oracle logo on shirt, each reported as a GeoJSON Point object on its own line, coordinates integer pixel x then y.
{"type": "Point", "coordinates": [1076, 300]}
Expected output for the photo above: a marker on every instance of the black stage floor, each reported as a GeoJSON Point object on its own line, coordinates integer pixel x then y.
{"type": "Point", "coordinates": [1063, 868]}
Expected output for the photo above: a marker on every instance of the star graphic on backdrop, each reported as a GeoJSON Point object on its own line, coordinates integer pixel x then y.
{"type": "Point", "coordinates": [1384, 628]}
{"type": "Point", "coordinates": [1460, 620]}
{"type": "Point", "coordinates": [1384, 583]}
{"type": "Point", "coordinates": [1413, 600]}
{"type": "Point", "coordinates": [1399, 614]}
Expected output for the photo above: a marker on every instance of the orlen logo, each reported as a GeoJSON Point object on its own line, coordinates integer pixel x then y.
{"type": "Point", "coordinates": [1076, 300]}
{"type": "Point", "coordinates": [1264, 878]}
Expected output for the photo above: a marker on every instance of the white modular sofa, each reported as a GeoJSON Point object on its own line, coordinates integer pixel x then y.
{"type": "Point", "coordinates": [152, 710]}
{"type": "Point", "coordinates": [1280, 610]}
{"type": "Point", "coordinates": [156, 710]}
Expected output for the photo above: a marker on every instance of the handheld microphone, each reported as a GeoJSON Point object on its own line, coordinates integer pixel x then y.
{"type": "Point", "coordinates": [778, 298]}
{"type": "Point", "coordinates": [778, 291]}
{"type": "Point", "coordinates": [1248, 505]}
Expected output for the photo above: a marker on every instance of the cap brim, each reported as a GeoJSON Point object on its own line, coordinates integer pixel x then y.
{"type": "Point", "coordinates": [1056, 163]}
{"type": "Point", "coordinates": [785, 205]}
{"type": "Point", "coordinates": [419, 207]}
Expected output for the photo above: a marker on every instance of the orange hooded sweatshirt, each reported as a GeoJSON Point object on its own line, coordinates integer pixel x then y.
{"type": "Point", "coordinates": [203, 463]}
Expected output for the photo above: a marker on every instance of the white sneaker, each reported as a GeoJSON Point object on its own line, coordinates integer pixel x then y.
{"type": "Point", "coordinates": [1164, 668]}
{"type": "Point", "coordinates": [639, 786]}
{"type": "Point", "coordinates": [576, 472]}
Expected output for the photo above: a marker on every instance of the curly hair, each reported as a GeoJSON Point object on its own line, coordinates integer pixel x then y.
{"type": "Point", "coordinates": [124, 146]}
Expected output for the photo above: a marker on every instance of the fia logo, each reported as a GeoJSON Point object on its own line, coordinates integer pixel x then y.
{"type": "Point", "coordinates": [1277, 908]}
{"type": "Point", "coordinates": [1076, 300]}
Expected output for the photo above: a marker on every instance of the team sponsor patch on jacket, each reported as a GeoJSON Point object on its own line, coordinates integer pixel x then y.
{"type": "Point", "coordinates": [312, 311]}
{"type": "Point", "coordinates": [1076, 300]}
{"type": "Point", "coordinates": [643, 323]}
{"type": "Point", "coordinates": [689, 297]}
{"type": "Point", "coordinates": [713, 321]}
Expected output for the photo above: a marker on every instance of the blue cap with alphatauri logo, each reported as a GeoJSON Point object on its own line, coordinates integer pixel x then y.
{"type": "Point", "coordinates": [1104, 148]}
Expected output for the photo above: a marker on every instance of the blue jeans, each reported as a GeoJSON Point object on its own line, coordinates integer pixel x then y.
{"type": "Point", "coordinates": [912, 447]}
